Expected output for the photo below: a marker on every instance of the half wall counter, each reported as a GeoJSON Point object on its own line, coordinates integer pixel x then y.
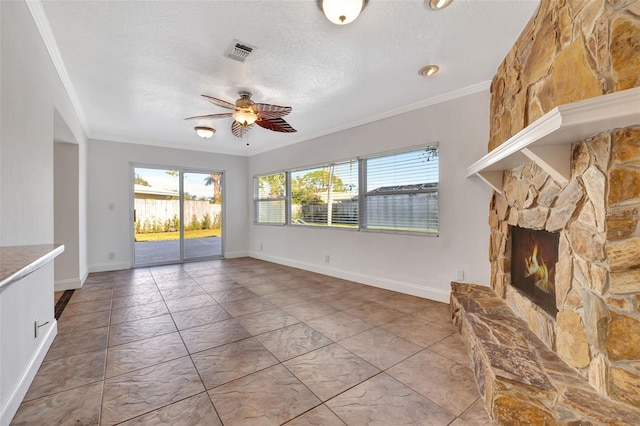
{"type": "Point", "coordinates": [27, 323]}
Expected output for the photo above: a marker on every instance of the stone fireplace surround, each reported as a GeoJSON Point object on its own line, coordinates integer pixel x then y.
{"type": "Point", "coordinates": [583, 367]}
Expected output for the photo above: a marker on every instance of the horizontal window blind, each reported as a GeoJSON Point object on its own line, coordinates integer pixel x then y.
{"type": "Point", "coordinates": [402, 191]}
{"type": "Point", "coordinates": [270, 198]}
{"type": "Point", "coordinates": [325, 196]}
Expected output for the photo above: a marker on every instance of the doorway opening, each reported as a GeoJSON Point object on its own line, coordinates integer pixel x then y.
{"type": "Point", "coordinates": [177, 214]}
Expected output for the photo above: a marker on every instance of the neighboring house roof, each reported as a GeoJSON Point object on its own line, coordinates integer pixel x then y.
{"type": "Point", "coordinates": [142, 189]}
{"type": "Point", "coordinates": [401, 188]}
{"type": "Point", "coordinates": [389, 190]}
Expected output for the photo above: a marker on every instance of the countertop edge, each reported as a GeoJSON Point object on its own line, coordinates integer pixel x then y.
{"type": "Point", "coordinates": [32, 266]}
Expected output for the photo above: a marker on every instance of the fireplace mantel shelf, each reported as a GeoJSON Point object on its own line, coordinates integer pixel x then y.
{"type": "Point", "coordinates": [547, 141]}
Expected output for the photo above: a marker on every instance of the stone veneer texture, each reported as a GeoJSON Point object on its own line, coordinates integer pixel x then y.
{"type": "Point", "coordinates": [569, 51]}
{"type": "Point", "coordinates": [573, 50]}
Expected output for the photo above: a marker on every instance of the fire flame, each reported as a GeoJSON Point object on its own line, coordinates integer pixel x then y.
{"type": "Point", "coordinates": [539, 271]}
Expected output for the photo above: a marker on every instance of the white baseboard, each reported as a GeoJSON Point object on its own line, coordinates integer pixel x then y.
{"type": "Point", "coordinates": [20, 389]}
{"type": "Point", "coordinates": [72, 284]}
{"type": "Point", "coordinates": [235, 254]}
{"type": "Point", "coordinates": [385, 283]}
{"type": "Point", "coordinates": [114, 266]}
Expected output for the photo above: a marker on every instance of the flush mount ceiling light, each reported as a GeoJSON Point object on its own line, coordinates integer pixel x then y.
{"type": "Point", "coordinates": [438, 4]}
{"type": "Point", "coordinates": [429, 70]}
{"type": "Point", "coordinates": [342, 12]}
{"type": "Point", "coordinates": [205, 132]}
{"type": "Point", "coordinates": [245, 116]}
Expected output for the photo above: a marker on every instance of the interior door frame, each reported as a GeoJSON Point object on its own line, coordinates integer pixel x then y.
{"type": "Point", "coordinates": [181, 170]}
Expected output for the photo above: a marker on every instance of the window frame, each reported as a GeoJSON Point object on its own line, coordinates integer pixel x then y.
{"type": "Point", "coordinates": [364, 194]}
{"type": "Point", "coordinates": [354, 227]}
{"type": "Point", "coordinates": [257, 200]}
{"type": "Point", "coordinates": [361, 194]}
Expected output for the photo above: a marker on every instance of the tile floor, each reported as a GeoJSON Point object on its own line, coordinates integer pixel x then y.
{"type": "Point", "coordinates": [243, 341]}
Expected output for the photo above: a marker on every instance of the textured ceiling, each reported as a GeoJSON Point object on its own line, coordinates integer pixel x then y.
{"type": "Point", "coordinates": [138, 67]}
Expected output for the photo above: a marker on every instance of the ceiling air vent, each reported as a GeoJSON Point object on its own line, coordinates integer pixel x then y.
{"type": "Point", "coordinates": [238, 51]}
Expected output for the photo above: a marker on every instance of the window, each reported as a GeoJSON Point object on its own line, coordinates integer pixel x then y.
{"type": "Point", "coordinates": [393, 193]}
{"type": "Point", "coordinates": [402, 192]}
{"type": "Point", "coordinates": [270, 198]}
{"type": "Point", "coordinates": [325, 196]}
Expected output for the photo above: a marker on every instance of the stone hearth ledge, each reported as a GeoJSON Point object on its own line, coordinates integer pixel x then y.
{"type": "Point", "coordinates": [521, 381]}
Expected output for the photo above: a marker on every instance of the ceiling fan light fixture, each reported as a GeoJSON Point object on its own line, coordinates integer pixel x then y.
{"type": "Point", "coordinates": [429, 70]}
{"type": "Point", "coordinates": [439, 4]}
{"type": "Point", "coordinates": [205, 132]}
{"type": "Point", "coordinates": [245, 116]}
{"type": "Point", "coordinates": [342, 12]}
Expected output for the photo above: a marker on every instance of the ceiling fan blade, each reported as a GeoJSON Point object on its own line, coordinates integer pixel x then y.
{"type": "Point", "coordinates": [219, 102]}
{"type": "Point", "coordinates": [269, 111]}
{"type": "Point", "coordinates": [239, 130]}
{"type": "Point", "coordinates": [223, 115]}
{"type": "Point", "coordinates": [276, 124]}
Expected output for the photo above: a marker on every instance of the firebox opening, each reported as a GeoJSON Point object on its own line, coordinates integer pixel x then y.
{"type": "Point", "coordinates": [534, 255]}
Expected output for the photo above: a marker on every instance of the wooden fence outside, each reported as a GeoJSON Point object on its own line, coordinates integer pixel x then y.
{"type": "Point", "coordinates": [166, 213]}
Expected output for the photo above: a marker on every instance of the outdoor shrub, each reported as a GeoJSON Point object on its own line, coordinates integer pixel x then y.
{"type": "Point", "coordinates": [217, 221]}
{"type": "Point", "coordinates": [138, 227]}
{"type": "Point", "coordinates": [206, 221]}
{"type": "Point", "coordinates": [167, 225]}
{"type": "Point", "coordinates": [175, 223]}
{"type": "Point", "coordinates": [146, 227]}
{"type": "Point", "coordinates": [195, 223]}
{"type": "Point", "coordinates": [157, 225]}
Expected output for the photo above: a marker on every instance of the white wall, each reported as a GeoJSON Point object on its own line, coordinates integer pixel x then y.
{"type": "Point", "coordinates": [417, 265]}
{"type": "Point", "coordinates": [78, 167]}
{"type": "Point", "coordinates": [30, 93]}
{"type": "Point", "coordinates": [66, 176]}
{"type": "Point", "coordinates": [110, 183]}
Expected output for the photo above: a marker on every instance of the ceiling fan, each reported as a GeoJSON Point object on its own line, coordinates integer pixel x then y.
{"type": "Point", "coordinates": [246, 113]}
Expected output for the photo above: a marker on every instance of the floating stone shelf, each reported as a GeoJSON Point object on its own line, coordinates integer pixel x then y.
{"type": "Point", "coordinates": [547, 141]}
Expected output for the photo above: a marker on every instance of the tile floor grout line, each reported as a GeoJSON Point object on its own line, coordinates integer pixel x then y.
{"type": "Point", "coordinates": [305, 289]}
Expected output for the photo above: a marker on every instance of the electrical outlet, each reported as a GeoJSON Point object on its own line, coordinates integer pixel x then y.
{"type": "Point", "coordinates": [112, 255]}
{"type": "Point", "coordinates": [326, 258]}
{"type": "Point", "coordinates": [261, 247]}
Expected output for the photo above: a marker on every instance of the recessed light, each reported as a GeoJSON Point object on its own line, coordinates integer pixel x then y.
{"type": "Point", "coordinates": [205, 132]}
{"type": "Point", "coordinates": [429, 70]}
{"type": "Point", "coordinates": [438, 4]}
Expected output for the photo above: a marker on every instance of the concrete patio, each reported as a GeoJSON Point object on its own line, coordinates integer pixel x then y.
{"type": "Point", "coordinates": [152, 252]}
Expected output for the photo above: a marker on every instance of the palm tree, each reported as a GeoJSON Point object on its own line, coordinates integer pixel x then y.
{"type": "Point", "coordinates": [215, 179]}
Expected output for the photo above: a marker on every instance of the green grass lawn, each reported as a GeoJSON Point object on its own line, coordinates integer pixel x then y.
{"type": "Point", "coordinates": [167, 236]}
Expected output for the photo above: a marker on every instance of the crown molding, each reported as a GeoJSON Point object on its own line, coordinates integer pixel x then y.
{"type": "Point", "coordinates": [42, 23]}
{"type": "Point", "coordinates": [445, 97]}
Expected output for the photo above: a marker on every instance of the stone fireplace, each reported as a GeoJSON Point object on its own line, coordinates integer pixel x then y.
{"type": "Point", "coordinates": [589, 316]}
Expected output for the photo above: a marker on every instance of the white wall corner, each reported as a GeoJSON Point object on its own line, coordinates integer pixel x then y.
{"type": "Point", "coordinates": [83, 278]}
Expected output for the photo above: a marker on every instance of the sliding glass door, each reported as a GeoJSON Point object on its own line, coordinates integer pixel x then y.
{"type": "Point", "coordinates": [177, 215]}
{"type": "Point", "coordinates": [203, 215]}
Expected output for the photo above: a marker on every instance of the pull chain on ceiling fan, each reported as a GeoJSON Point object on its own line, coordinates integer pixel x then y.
{"type": "Point", "coordinates": [246, 113]}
